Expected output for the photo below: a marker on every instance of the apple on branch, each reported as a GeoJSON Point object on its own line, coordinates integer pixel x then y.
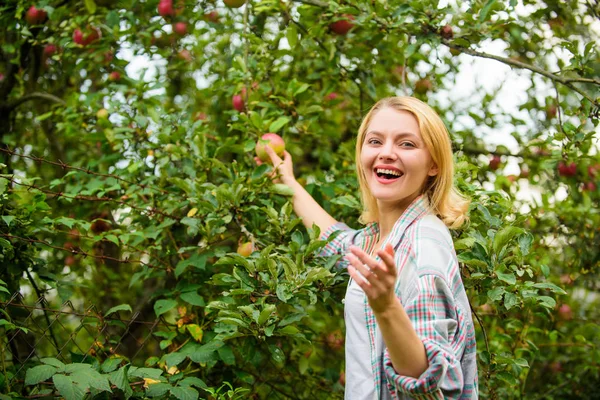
{"type": "Point", "coordinates": [272, 140]}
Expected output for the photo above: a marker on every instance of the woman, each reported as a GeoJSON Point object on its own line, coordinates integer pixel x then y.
{"type": "Point", "coordinates": [409, 332]}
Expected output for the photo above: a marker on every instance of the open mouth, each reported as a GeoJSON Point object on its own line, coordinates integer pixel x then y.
{"type": "Point", "coordinates": [388, 175]}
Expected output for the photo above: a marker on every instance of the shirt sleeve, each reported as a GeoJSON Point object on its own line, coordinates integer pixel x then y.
{"type": "Point", "coordinates": [433, 313]}
{"type": "Point", "coordinates": [339, 244]}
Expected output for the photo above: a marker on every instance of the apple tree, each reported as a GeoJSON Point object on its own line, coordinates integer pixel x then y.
{"type": "Point", "coordinates": [127, 140]}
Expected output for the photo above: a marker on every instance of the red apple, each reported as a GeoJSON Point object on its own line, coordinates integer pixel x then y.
{"type": "Point", "coordinates": [185, 55]}
{"type": "Point", "coordinates": [343, 25]}
{"type": "Point", "coordinates": [495, 162]}
{"type": "Point", "coordinates": [272, 140]}
{"type": "Point", "coordinates": [234, 3]}
{"type": "Point", "coordinates": [180, 28]}
{"type": "Point", "coordinates": [165, 8]}
{"type": "Point", "coordinates": [114, 76]}
{"type": "Point", "coordinates": [238, 102]}
{"type": "Point", "coordinates": [590, 186]}
{"type": "Point", "coordinates": [331, 96]}
{"type": "Point", "coordinates": [49, 50]}
{"type": "Point", "coordinates": [342, 379]}
{"type": "Point", "coordinates": [78, 36]}
{"type": "Point", "coordinates": [423, 85]}
{"type": "Point", "coordinates": [565, 313]}
{"type": "Point", "coordinates": [551, 111]}
{"type": "Point", "coordinates": [335, 340]}
{"type": "Point", "coordinates": [593, 170]}
{"type": "Point", "coordinates": [245, 249]}
{"type": "Point", "coordinates": [446, 32]}
{"type": "Point", "coordinates": [83, 40]}
{"type": "Point", "coordinates": [35, 16]}
{"type": "Point", "coordinates": [524, 173]}
{"type": "Point", "coordinates": [567, 170]}
{"type": "Point", "coordinates": [511, 178]}
{"type": "Point", "coordinates": [69, 260]}
{"type": "Point", "coordinates": [556, 367]}
{"type": "Point", "coordinates": [199, 116]}
{"type": "Point", "coordinates": [212, 16]}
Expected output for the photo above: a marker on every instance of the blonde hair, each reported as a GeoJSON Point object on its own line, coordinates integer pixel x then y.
{"type": "Point", "coordinates": [444, 198]}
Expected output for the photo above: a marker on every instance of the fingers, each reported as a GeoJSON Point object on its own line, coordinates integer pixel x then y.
{"type": "Point", "coordinates": [387, 256]}
{"type": "Point", "coordinates": [275, 159]}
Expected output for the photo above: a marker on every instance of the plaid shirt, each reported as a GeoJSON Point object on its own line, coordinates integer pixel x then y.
{"type": "Point", "coordinates": [430, 288]}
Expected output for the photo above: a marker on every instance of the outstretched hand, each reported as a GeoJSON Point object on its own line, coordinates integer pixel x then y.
{"type": "Point", "coordinates": [283, 169]}
{"type": "Point", "coordinates": [376, 278]}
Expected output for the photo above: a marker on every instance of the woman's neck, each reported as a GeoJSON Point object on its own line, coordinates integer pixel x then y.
{"type": "Point", "coordinates": [388, 215]}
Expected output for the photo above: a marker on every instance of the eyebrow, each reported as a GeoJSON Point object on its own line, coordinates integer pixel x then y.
{"type": "Point", "coordinates": [396, 134]}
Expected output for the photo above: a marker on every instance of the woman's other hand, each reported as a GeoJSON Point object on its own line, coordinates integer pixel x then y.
{"type": "Point", "coordinates": [376, 278]}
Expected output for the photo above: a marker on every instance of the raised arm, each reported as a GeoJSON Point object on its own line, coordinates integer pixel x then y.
{"type": "Point", "coordinates": [305, 206]}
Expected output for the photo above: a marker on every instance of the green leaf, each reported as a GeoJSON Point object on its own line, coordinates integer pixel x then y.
{"type": "Point", "coordinates": [283, 190]}
{"type": "Point", "coordinates": [510, 300]}
{"type": "Point", "coordinates": [193, 381]}
{"type": "Point", "coordinates": [277, 354]}
{"type": "Point", "coordinates": [66, 387]}
{"type": "Point", "coordinates": [157, 389]}
{"type": "Point", "coordinates": [39, 374]}
{"type": "Point", "coordinates": [226, 354]}
{"type": "Point", "coordinates": [162, 306]}
{"type": "Point", "coordinates": [173, 359]}
{"type": "Point", "coordinates": [503, 236]}
{"type": "Point", "coordinates": [507, 276]}
{"type": "Point", "coordinates": [192, 298]}
{"type": "Point", "coordinates": [54, 362]}
{"type": "Point", "coordinates": [547, 302]}
{"type": "Point", "coordinates": [278, 124]}
{"type": "Point", "coordinates": [206, 352]}
{"type": "Point", "coordinates": [91, 377]}
{"type": "Point", "coordinates": [8, 219]}
{"type": "Point", "coordinates": [496, 293]}
{"type": "Point", "coordinates": [90, 5]}
{"type": "Point", "coordinates": [152, 373]}
{"type": "Point", "coordinates": [120, 307]}
{"type": "Point", "coordinates": [485, 10]}
{"type": "Point", "coordinates": [185, 393]}
{"type": "Point", "coordinates": [119, 379]}
{"type": "Point", "coordinates": [266, 313]}
{"type": "Point", "coordinates": [195, 331]}
{"type": "Point", "coordinates": [550, 286]}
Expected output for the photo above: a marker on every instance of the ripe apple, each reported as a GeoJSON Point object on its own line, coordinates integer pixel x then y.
{"type": "Point", "coordinates": [114, 76]}
{"type": "Point", "coordinates": [567, 170]}
{"type": "Point", "coordinates": [165, 8]}
{"type": "Point", "coordinates": [35, 16]}
{"type": "Point", "coordinates": [245, 249]}
{"type": "Point", "coordinates": [199, 116]}
{"type": "Point", "coordinates": [590, 186]}
{"type": "Point", "coordinates": [83, 40]}
{"type": "Point", "coordinates": [495, 162]}
{"type": "Point", "coordinates": [551, 111]}
{"type": "Point", "coordinates": [185, 55]}
{"type": "Point", "coordinates": [180, 28]}
{"type": "Point", "coordinates": [272, 140]}
{"type": "Point", "coordinates": [69, 260]}
{"type": "Point", "coordinates": [423, 85]}
{"type": "Point", "coordinates": [331, 96]}
{"type": "Point", "coordinates": [335, 340]}
{"type": "Point", "coordinates": [446, 32]}
{"type": "Point", "coordinates": [234, 3]}
{"type": "Point", "coordinates": [343, 25]}
{"type": "Point", "coordinates": [212, 16]}
{"type": "Point", "coordinates": [50, 50]}
{"type": "Point", "coordinates": [238, 102]}
{"type": "Point", "coordinates": [342, 379]}
{"type": "Point", "coordinates": [102, 113]}
{"type": "Point", "coordinates": [565, 313]}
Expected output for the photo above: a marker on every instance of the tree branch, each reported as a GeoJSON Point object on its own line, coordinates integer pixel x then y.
{"type": "Point", "coordinates": [31, 96]}
{"type": "Point", "coordinates": [568, 82]}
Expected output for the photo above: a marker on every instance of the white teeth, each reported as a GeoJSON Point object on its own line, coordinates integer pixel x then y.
{"type": "Point", "coordinates": [387, 171]}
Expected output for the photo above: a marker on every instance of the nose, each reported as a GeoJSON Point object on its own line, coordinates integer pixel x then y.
{"type": "Point", "coordinates": [387, 151]}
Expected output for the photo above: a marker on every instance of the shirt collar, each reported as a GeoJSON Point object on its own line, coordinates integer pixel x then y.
{"type": "Point", "coordinates": [415, 210]}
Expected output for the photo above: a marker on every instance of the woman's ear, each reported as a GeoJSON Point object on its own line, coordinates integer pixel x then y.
{"type": "Point", "coordinates": [434, 170]}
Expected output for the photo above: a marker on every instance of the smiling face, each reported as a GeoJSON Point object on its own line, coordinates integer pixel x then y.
{"type": "Point", "coordinates": [394, 159]}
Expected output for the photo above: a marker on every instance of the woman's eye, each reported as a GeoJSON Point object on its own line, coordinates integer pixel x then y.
{"type": "Point", "coordinates": [407, 144]}
{"type": "Point", "coordinates": [373, 141]}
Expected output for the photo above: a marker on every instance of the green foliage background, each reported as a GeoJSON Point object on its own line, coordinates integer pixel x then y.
{"type": "Point", "coordinates": [143, 211]}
